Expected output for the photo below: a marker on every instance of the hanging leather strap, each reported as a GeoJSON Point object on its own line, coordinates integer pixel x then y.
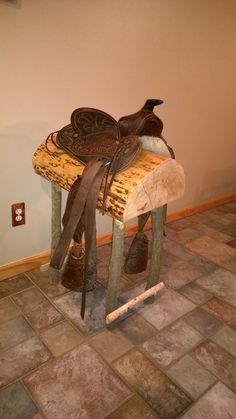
{"type": "Point", "coordinates": [90, 225]}
{"type": "Point", "coordinates": [76, 212]}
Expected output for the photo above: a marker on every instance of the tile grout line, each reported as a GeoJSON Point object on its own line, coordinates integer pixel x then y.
{"type": "Point", "coordinates": [206, 368]}
{"type": "Point", "coordinates": [188, 408]}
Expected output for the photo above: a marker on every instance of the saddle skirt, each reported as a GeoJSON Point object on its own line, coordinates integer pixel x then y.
{"type": "Point", "coordinates": [93, 134]}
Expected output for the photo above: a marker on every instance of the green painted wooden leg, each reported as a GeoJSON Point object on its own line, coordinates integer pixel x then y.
{"type": "Point", "coordinates": [164, 213]}
{"type": "Point", "coordinates": [158, 218]}
{"type": "Point", "coordinates": [54, 275]}
{"type": "Point", "coordinates": [115, 266]}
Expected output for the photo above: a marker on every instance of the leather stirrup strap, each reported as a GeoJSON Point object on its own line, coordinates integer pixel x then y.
{"type": "Point", "coordinates": [75, 215]}
{"type": "Point", "coordinates": [90, 225]}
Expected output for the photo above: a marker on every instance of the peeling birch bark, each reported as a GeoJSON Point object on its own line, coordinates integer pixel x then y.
{"type": "Point", "coordinates": [130, 304]}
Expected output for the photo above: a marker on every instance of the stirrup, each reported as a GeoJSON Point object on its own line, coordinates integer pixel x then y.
{"type": "Point", "coordinates": [73, 272]}
{"type": "Point", "coordinates": [137, 257]}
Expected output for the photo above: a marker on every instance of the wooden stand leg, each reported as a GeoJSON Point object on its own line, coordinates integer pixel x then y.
{"type": "Point", "coordinates": [55, 227]}
{"type": "Point", "coordinates": [164, 213]}
{"type": "Point", "coordinates": [115, 265]}
{"type": "Point", "coordinates": [158, 218]}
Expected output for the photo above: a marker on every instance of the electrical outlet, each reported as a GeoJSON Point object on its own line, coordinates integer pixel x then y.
{"type": "Point", "coordinates": [18, 214]}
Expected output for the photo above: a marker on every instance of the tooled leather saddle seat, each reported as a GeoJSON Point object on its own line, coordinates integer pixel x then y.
{"type": "Point", "coordinates": [105, 147]}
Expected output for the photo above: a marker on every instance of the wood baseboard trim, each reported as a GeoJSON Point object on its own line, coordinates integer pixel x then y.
{"type": "Point", "coordinates": [42, 259]}
{"type": "Point", "coordinates": [200, 207]}
{"type": "Point", "coordinates": [24, 265]}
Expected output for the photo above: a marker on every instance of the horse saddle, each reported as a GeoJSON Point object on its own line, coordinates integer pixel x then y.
{"type": "Point", "coordinates": [105, 147]}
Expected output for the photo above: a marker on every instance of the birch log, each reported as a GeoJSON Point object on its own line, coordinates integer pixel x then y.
{"type": "Point", "coordinates": [130, 304]}
{"type": "Point", "coordinates": [150, 182]}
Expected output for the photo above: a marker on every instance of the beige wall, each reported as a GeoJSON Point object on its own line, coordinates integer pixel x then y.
{"type": "Point", "coordinates": [113, 54]}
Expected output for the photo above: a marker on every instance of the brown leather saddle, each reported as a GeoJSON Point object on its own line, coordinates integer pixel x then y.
{"type": "Point", "coordinates": [105, 147]}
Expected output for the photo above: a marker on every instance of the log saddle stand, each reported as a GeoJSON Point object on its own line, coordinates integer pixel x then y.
{"type": "Point", "coordinates": [149, 184]}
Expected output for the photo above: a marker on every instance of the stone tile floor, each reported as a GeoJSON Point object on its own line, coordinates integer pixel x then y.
{"type": "Point", "coordinates": [175, 358]}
